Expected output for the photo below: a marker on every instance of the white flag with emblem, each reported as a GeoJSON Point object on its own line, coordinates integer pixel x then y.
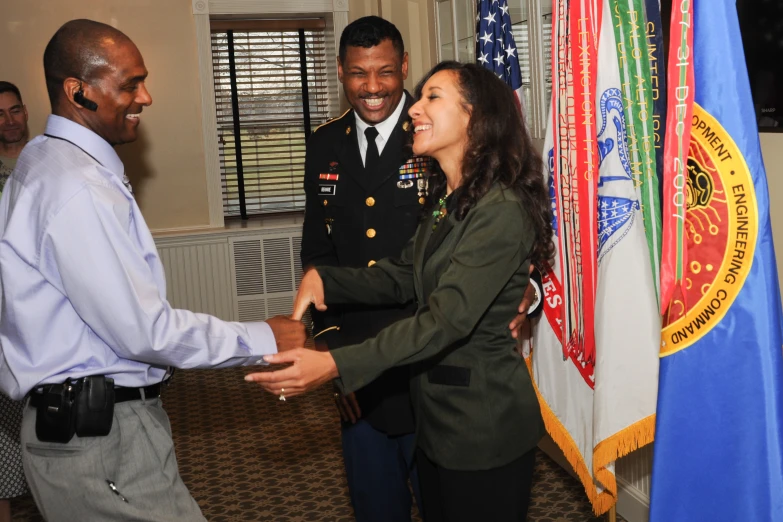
{"type": "Point", "coordinates": [598, 413]}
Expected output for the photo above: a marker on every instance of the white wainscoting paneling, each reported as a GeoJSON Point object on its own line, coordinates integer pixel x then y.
{"type": "Point", "coordinates": [198, 276]}
{"type": "Point", "coordinates": [633, 483]}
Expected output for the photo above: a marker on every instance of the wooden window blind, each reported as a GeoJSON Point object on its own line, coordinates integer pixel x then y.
{"type": "Point", "coordinates": [271, 90]}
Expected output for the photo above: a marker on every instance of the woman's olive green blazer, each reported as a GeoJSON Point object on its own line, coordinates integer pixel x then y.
{"type": "Point", "coordinates": [474, 400]}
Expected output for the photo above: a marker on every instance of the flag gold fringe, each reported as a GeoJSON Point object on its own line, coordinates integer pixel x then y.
{"type": "Point", "coordinates": [602, 501]}
{"type": "Point", "coordinates": [618, 445]}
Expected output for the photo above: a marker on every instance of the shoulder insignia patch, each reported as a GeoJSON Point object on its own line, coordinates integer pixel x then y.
{"type": "Point", "coordinates": [332, 120]}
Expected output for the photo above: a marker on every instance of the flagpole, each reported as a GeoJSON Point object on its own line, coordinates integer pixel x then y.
{"type": "Point", "coordinates": [611, 515]}
{"type": "Point", "coordinates": [454, 28]}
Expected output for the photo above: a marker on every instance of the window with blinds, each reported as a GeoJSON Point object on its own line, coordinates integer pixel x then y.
{"type": "Point", "coordinates": [271, 90]}
{"type": "Point", "coordinates": [522, 40]}
{"type": "Point", "coordinates": [546, 26]}
{"type": "Point", "coordinates": [521, 32]}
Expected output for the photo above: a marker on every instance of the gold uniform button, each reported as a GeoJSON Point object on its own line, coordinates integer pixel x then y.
{"type": "Point", "coordinates": [371, 233]}
{"type": "Point", "coordinates": [370, 201]}
{"type": "Point", "coordinates": [372, 262]}
{"type": "Point", "coordinates": [421, 201]}
{"type": "Point", "coordinates": [326, 202]}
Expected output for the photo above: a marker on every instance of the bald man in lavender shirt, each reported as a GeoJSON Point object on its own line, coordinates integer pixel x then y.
{"type": "Point", "coordinates": [85, 328]}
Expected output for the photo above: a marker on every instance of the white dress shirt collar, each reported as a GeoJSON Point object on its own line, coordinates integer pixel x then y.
{"type": "Point", "coordinates": [87, 140]}
{"type": "Point", "coordinates": [385, 128]}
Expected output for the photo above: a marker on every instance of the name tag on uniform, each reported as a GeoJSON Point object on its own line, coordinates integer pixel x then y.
{"type": "Point", "coordinates": [327, 190]}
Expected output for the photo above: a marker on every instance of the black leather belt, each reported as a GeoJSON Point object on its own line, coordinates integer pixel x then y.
{"type": "Point", "coordinates": [134, 394]}
{"type": "Point", "coordinates": [120, 394]}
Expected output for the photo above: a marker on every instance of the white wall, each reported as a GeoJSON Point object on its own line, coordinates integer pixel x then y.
{"type": "Point", "coordinates": [772, 150]}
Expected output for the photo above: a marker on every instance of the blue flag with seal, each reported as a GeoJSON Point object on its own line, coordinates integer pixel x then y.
{"type": "Point", "coordinates": [718, 452]}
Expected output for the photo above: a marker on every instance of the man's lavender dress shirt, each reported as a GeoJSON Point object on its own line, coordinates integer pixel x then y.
{"type": "Point", "coordinates": [83, 288]}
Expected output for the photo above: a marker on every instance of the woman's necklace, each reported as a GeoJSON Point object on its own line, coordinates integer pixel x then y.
{"type": "Point", "coordinates": [440, 212]}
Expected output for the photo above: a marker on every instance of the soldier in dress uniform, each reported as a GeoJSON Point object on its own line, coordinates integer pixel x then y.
{"type": "Point", "coordinates": [364, 192]}
{"type": "Point", "coordinates": [364, 195]}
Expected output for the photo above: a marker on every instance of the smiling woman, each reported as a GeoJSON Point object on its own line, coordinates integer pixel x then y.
{"type": "Point", "coordinates": [496, 151]}
{"type": "Point", "coordinates": [477, 415]}
{"type": "Point", "coordinates": [440, 123]}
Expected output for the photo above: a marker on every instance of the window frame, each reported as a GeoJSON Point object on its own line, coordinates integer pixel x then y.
{"type": "Point", "coordinates": [335, 12]}
{"type": "Point", "coordinates": [537, 113]}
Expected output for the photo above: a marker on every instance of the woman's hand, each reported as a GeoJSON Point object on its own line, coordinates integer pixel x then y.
{"type": "Point", "coordinates": [311, 291]}
{"type": "Point", "coordinates": [520, 325]}
{"type": "Point", "coordinates": [309, 369]}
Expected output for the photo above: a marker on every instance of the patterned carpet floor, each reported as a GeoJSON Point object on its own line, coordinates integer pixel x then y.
{"type": "Point", "coordinates": [246, 456]}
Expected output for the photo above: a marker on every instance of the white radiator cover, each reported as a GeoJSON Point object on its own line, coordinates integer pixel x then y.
{"type": "Point", "coordinates": [633, 479]}
{"type": "Point", "coordinates": [252, 274]}
{"type": "Point", "coordinates": [266, 271]}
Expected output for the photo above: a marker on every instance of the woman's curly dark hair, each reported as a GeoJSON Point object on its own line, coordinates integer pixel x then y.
{"type": "Point", "coordinates": [499, 150]}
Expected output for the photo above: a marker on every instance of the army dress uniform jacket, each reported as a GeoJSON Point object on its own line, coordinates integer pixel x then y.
{"type": "Point", "coordinates": [352, 219]}
{"type": "Point", "coordinates": [475, 404]}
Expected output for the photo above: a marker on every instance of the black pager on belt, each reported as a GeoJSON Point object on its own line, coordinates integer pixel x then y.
{"type": "Point", "coordinates": [84, 407]}
{"type": "Point", "coordinates": [95, 406]}
{"type": "Point", "coordinates": [55, 418]}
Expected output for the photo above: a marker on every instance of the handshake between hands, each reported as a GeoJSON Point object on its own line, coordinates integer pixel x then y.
{"type": "Point", "coordinates": [308, 368]}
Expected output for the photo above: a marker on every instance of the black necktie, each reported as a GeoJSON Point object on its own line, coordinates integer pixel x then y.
{"type": "Point", "coordinates": [372, 157]}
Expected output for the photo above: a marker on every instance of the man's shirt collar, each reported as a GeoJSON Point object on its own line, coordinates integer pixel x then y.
{"type": "Point", "coordinates": [87, 140]}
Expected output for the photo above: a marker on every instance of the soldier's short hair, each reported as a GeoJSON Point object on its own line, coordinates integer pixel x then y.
{"type": "Point", "coordinates": [370, 31]}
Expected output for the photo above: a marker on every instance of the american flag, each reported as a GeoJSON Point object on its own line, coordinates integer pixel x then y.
{"type": "Point", "coordinates": [495, 48]}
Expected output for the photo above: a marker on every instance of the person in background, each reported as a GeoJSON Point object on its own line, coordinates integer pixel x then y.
{"type": "Point", "coordinates": [14, 134]}
{"type": "Point", "coordinates": [467, 267]}
{"type": "Point", "coordinates": [85, 328]}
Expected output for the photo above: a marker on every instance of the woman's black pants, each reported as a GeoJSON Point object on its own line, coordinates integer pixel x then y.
{"type": "Point", "coordinates": [494, 495]}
